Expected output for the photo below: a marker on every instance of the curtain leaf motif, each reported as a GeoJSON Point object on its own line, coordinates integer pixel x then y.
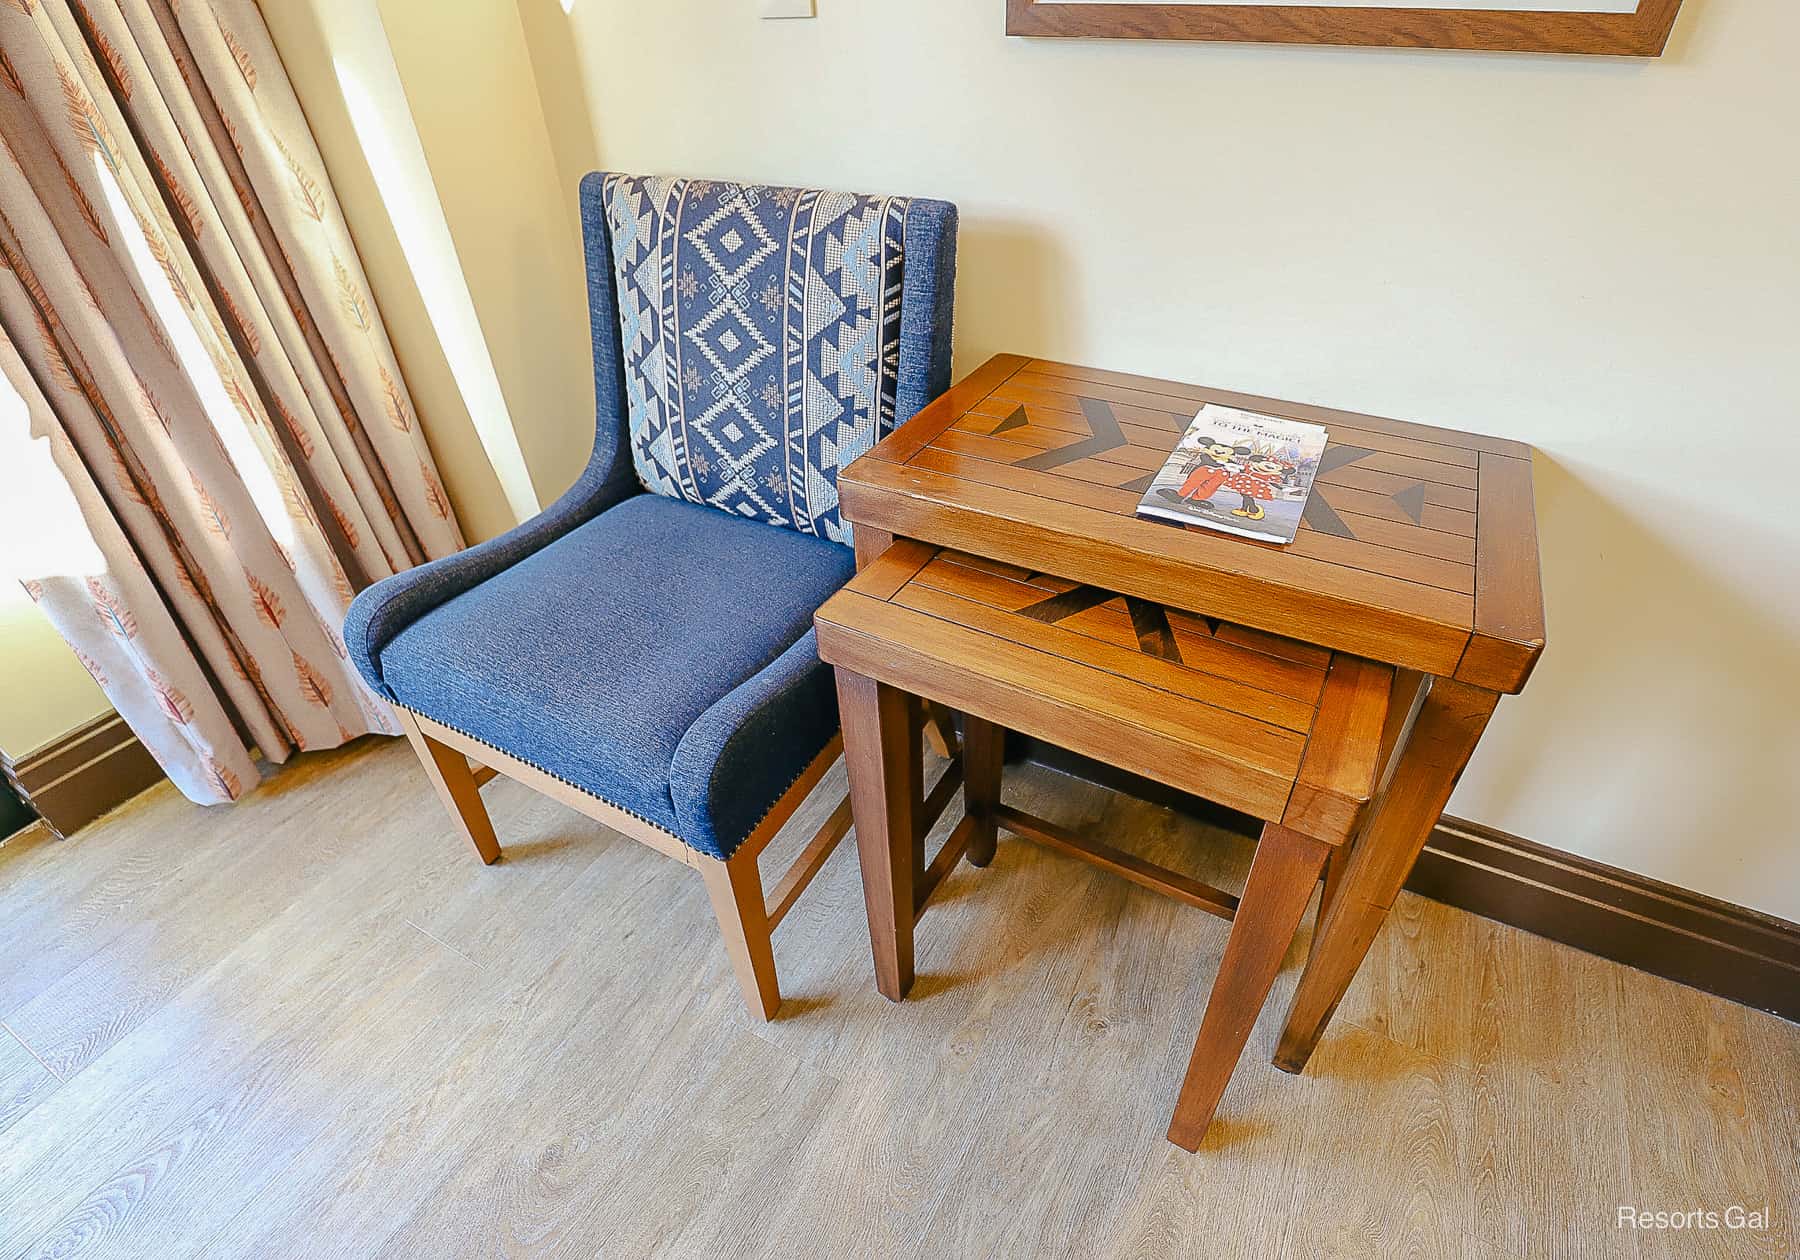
{"type": "Point", "coordinates": [268, 603]}
{"type": "Point", "coordinates": [307, 193]}
{"type": "Point", "coordinates": [399, 411]}
{"type": "Point", "coordinates": [9, 76]}
{"type": "Point", "coordinates": [174, 704]}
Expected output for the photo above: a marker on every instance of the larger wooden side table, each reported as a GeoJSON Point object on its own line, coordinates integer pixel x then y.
{"type": "Point", "coordinates": [1418, 550]}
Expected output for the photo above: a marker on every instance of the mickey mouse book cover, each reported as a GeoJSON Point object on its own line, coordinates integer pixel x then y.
{"type": "Point", "coordinates": [1239, 472]}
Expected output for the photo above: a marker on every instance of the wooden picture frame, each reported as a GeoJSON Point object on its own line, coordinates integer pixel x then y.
{"type": "Point", "coordinates": [1639, 33]}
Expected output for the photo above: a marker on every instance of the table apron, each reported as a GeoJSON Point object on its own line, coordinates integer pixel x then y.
{"type": "Point", "coordinates": [1250, 790]}
{"type": "Point", "coordinates": [1373, 633]}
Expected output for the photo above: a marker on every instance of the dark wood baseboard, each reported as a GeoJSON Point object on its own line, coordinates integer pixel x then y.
{"type": "Point", "coordinates": [74, 780]}
{"type": "Point", "coordinates": [1720, 948]}
{"type": "Point", "coordinates": [1726, 949]}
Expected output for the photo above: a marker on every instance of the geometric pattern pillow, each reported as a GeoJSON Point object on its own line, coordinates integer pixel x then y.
{"type": "Point", "coordinates": [761, 337]}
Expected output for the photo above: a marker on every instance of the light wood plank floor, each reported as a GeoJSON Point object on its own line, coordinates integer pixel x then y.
{"type": "Point", "coordinates": [313, 1025]}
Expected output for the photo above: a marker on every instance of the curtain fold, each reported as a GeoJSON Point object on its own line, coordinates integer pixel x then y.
{"type": "Point", "coordinates": [185, 323]}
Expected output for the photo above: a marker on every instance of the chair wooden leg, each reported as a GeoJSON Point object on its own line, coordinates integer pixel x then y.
{"type": "Point", "coordinates": [735, 887]}
{"type": "Point", "coordinates": [882, 755]}
{"type": "Point", "coordinates": [449, 773]}
{"type": "Point", "coordinates": [984, 751]}
{"type": "Point", "coordinates": [1282, 875]}
{"type": "Point", "coordinates": [940, 730]}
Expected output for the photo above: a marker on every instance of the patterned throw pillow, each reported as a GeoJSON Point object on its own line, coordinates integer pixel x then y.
{"type": "Point", "coordinates": [761, 334]}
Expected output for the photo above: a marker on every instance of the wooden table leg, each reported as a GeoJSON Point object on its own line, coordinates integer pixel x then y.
{"type": "Point", "coordinates": [1335, 862]}
{"type": "Point", "coordinates": [868, 543]}
{"type": "Point", "coordinates": [984, 754]}
{"type": "Point", "coordinates": [1449, 724]}
{"type": "Point", "coordinates": [882, 755]}
{"type": "Point", "coordinates": [1282, 876]}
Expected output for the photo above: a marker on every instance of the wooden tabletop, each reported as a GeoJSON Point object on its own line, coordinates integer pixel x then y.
{"type": "Point", "coordinates": [1282, 730]}
{"type": "Point", "coordinates": [1418, 546]}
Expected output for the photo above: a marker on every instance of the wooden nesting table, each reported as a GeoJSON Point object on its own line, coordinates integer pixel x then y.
{"type": "Point", "coordinates": [1415, 569]}
{"type": "Point", "coordinates": [1288, 732]}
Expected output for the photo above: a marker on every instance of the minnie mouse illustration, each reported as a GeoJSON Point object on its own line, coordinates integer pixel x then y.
{"type": "Point", "coordinates": [1262, 477]}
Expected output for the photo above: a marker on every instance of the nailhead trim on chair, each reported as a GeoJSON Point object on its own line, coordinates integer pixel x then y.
{"type": "Point", "coordinates": [654, 826]}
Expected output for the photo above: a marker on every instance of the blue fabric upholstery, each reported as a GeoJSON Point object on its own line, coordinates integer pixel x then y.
{"type": "Point", "coordinates": [928, 295]}
{"type": "Point", "coordinates": [762, 330]}
{"type": "Point", "coordinates": [652, 652]}
{"type": "Point", "coordinates": [657, 655]}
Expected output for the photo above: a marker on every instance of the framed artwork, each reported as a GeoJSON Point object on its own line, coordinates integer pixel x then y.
{"type": "Point", "coordinates": [1626, 28]}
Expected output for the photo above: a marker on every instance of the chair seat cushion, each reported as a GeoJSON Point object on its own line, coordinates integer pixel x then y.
{"type": "Point", "coordinates": [659, 656]}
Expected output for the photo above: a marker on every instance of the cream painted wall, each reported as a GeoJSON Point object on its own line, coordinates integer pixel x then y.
{"type": "Point", "coordinates": [474, 99]}
{"type": "Point", "coordinates": [44, 691]}
{"type": "Point", "coordinates": [1596, 256]}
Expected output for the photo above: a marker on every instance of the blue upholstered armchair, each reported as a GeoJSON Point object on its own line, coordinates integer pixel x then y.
{"type": "Point", "coordinates": [643, 648]}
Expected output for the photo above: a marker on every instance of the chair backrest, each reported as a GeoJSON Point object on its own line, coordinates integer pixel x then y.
{"type": "Point", "coordinates": [757, 339]}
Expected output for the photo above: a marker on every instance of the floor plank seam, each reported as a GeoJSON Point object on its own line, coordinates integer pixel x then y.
{"type": "Point", "coordinates": [26, 1044]}
{"type": "Point", "coordinates": [60, 1078]}
{"type": "Point", "coordinates": [446, 944]}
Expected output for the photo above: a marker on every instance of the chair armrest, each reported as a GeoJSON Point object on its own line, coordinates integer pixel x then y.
{"type": "Point", "coordinates": [749, 736]}
{"type": "Point", "coordinates": [385, 609]}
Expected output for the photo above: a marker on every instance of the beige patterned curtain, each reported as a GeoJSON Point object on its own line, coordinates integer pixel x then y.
{"type": "Point", "coordinates": [186, 332]}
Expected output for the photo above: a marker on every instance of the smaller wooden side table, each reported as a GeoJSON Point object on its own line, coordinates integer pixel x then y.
{"type": "Point", "coordinates": [1284, 731]}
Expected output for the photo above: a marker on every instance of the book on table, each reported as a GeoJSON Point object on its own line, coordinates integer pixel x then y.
{"type": "Point", "coordinates": [1240, 472]}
